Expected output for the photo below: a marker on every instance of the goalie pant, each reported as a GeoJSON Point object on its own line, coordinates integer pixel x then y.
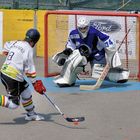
{"type": "Point", "coordinates": [73, 65]}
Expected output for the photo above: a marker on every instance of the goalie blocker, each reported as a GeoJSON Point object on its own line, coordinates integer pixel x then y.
{"type": "Point", "coordinates": [74, 64]}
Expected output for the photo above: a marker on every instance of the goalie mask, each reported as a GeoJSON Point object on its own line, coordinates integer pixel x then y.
{"type": "Point", "coordinates": [83, 26]}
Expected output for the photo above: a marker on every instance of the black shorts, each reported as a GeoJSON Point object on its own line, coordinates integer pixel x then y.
{"type": "Point", "coordinates": [13, 87]}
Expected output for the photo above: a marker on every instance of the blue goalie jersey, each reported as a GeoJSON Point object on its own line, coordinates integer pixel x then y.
{"type": "Point", "coordinates": [91, 40]}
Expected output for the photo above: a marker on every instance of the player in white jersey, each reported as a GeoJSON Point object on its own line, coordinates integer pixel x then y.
{"type": "Point", "coordinates": [18, 64]}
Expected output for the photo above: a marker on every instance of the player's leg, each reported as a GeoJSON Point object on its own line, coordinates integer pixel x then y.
{"type": "Point", "coordinates": [27, 102]}
{"type": "Point", "coordinates": [118, 75]}
{"type": "Point", "coordinates": [12, 100]}
{"type": "Point", "coordinates": [72, 66]}
{"type": "Point", "coordinates": [97, 65]}
{"type": "Point", "coordinates": [115, 74]}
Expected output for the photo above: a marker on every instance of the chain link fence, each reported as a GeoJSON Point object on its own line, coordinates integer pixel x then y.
{"type": "Point", "coordinates": [123, 5]}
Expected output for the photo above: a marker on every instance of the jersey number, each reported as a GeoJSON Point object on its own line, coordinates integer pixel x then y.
{"type": "Point", "coordinates": [10, 55]}
{"type": "Point", "coordinates": [108, 43]}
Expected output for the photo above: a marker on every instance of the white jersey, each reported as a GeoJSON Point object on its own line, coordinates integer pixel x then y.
{"type": "Point", "coordinates": [19, 60]}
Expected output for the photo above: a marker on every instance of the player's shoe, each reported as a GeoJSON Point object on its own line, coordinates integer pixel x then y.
{"type": "Point", "coordinates": [33, 117]}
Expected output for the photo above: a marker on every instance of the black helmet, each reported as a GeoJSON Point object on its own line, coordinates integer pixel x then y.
{"type": "Point", "coordinates": [32, 35]}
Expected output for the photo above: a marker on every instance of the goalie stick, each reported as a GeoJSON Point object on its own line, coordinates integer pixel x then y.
{"type": "Point", "coordinates": [99, 81]}
{"type": "Point", "coordinates": [105, 71]}
{"type": "Point", "coordinates": [75, 120]}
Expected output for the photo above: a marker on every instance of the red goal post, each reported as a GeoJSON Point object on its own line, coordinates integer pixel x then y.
{"type": "Point", "coordinates": [58, 24]}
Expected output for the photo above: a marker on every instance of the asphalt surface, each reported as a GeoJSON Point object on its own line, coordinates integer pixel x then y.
{"type": "Point", "coordinates": [108, 116]}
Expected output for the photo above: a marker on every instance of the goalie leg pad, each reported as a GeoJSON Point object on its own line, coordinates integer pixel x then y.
{"type": "Point", "coordinates": [116, 61]}
{"type": "Point", "coordinates": [73, 66]}
{"type": "Point", "coordinates": [113, 57]}
{"type": "Point", "coordinates": [118, 75]}
{"type": "Point", "coordinates": [97, 70]}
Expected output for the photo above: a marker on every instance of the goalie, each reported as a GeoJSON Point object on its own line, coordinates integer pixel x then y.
{"type": "Point", "coordinates": [87, 44]}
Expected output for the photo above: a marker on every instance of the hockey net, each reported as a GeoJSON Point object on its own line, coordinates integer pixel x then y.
{"type": "Point", "coordinates": [58, 24]}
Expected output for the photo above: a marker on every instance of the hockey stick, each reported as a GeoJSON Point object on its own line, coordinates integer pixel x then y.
{"type": "Point", "coordinates": [75, 120]}
{"type": "Point", "coordinates": [105, 71]}
{"type": "Point", "coordinates": [99, 81]}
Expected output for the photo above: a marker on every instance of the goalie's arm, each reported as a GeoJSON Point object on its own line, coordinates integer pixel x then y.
{"type": "Point", "coordinates": [106, 43]}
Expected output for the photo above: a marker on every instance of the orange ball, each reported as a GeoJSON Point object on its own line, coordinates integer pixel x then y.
{"type": "Point", "coordinates": [75, 123]}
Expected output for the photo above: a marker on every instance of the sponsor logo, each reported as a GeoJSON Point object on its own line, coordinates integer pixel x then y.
{"type": "Point", "coordinates": [105, 25]}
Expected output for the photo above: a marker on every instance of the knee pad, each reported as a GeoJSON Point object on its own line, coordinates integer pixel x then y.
{"type": "Point", "coordinates": [97, 70]}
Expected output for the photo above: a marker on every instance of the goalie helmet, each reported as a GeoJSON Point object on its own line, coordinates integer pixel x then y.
{"type": "Point", "coordinates": [83, 26]}
{"type": "Point", "coordinates": [32, 35]}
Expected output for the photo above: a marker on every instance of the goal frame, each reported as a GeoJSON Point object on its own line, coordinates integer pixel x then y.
{"type": "Point", "coordinates": [80, 12]}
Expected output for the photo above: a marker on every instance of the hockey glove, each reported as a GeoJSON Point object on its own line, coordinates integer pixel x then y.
{"type": "Point", "coordinates": [39, 87]}
{"type": "Point", "coordinates": [84, 50]}
{"type": "Point", "coordinates": [67, 51]}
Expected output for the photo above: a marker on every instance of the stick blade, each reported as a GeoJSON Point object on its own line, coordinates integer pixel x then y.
{"type": "Point", "coordinates": [76, 119]}
{"type": "Point", "coordinates": [89, 87]}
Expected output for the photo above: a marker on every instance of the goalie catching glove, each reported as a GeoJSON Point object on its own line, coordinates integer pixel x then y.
{"type": "Point", "coordinates": [39, 87]}
{"type": "Point", "coordinates": [61, 57]}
